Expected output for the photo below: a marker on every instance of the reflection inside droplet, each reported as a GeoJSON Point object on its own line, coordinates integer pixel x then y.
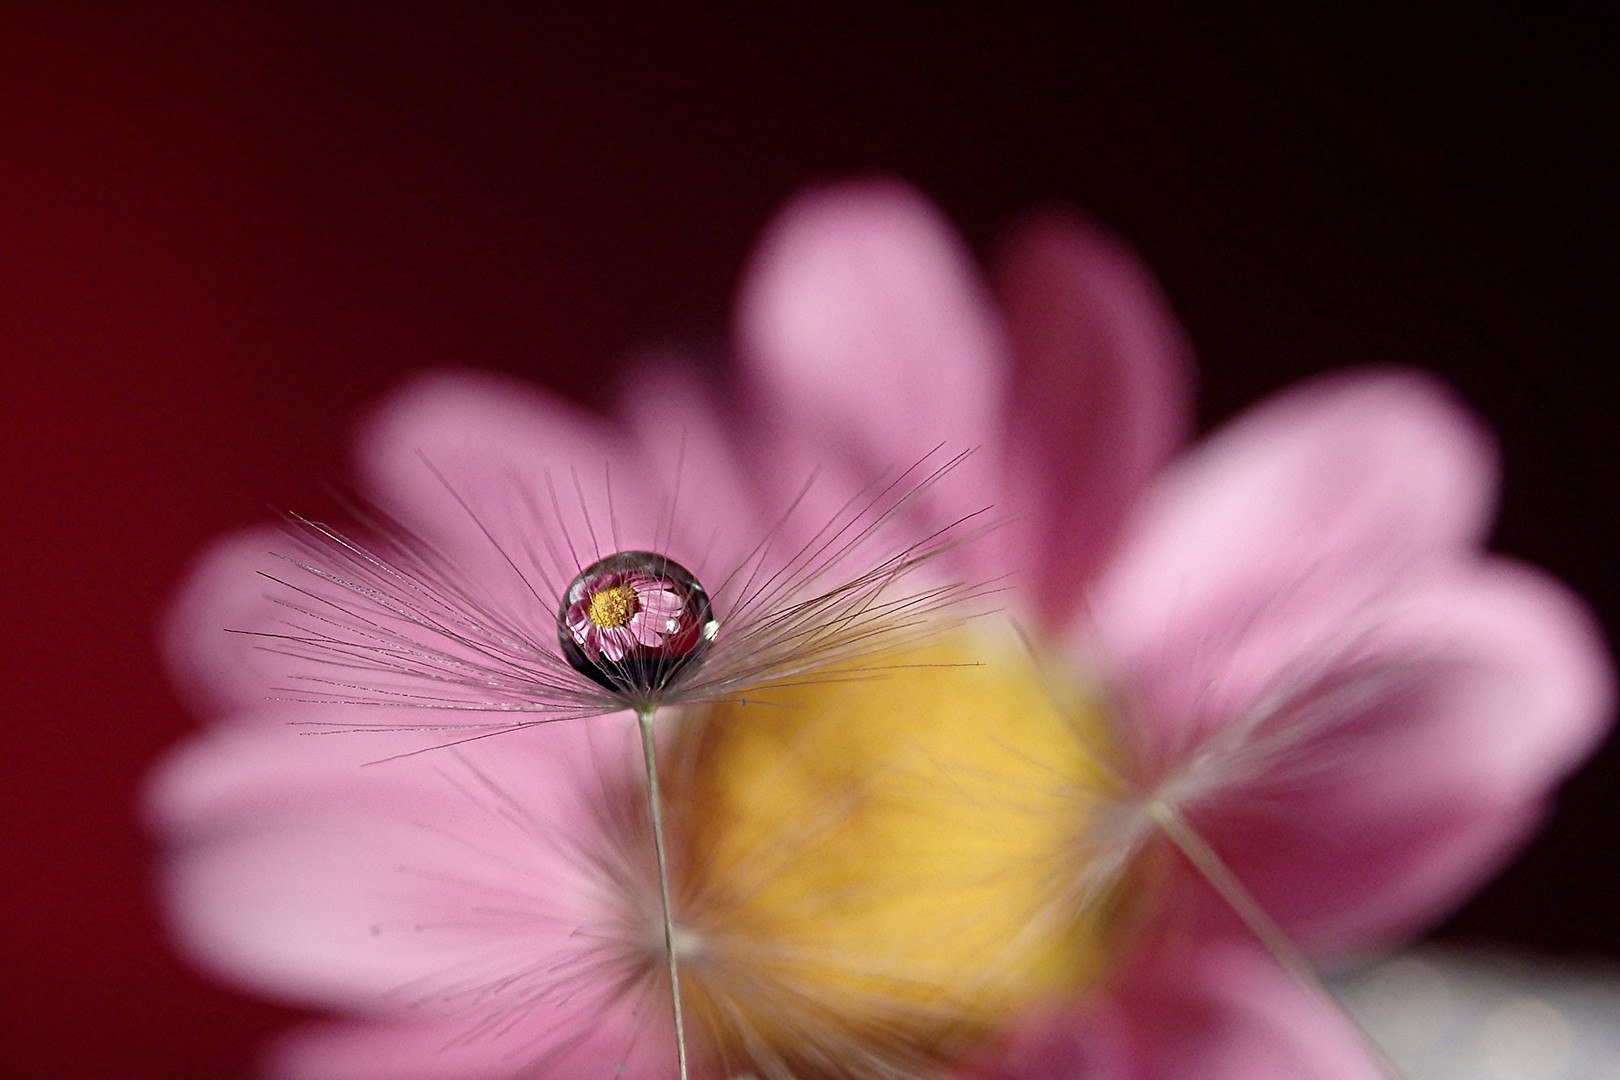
{"type": "Point", "coordinates": [634, 622]}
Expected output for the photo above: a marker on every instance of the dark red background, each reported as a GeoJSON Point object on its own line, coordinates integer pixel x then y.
{"type": "Point", "coordinates": [222, 234]}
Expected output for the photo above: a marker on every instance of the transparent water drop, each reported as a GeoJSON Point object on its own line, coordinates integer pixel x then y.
{"type": "Point", "coordinates": [635, 622]}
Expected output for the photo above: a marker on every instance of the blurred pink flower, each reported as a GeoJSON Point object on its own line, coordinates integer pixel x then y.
{"type": "Point", "coordinates": [1313, 661]}
{"type": "Point", "coordinates": [1360, 711]}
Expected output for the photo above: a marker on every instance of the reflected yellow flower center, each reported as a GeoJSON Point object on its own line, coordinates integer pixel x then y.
{"type": "Point", "coordinates": [612, 608]}
{"type": "Point", "coordinates": [897, 861]}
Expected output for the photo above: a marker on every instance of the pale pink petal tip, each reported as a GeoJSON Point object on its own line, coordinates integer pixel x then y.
{"type": "Point", "coordinates": [470, 462]}
{"type": "Point", "coordinates": [863, 325]}
{"type": "Point", "coordinates": [481, 418]}
{"type": "Point", "coordinates": [1410, 766]}
{"type": "Point", "coordinates": [208, 635]}
{"type": "Point", "coordinates": [1262, 545]}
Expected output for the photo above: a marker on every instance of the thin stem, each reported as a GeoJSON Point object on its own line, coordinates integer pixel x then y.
{"type": "Point", "coordinates": [1214, 870]}
{"type": "Point", "coordinates": [650, 755]}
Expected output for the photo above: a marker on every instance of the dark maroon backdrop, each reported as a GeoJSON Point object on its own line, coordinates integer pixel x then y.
{"type": "Point", "coordinates": [221, 234]}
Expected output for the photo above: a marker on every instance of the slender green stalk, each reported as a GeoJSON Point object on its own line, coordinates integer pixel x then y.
{"type": "Point", "coordinates": [1214, 870]}
{"type": "Point", "coordinates": [650, 755]}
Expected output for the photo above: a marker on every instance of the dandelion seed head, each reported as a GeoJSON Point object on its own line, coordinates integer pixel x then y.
{"type": "Point", "coordinates": [527, 616]}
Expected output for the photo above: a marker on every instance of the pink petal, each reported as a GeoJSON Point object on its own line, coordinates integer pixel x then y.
{"type": "Point", "coordinates": [659, 604]}
{"type": "Point", "coordinates": [652, 622]}
{"type": "Point", "coordinates": [1214, 1011]}
{"type": "Point", "coordinates": [452, 1049]}
{"type": "Point", "coordinates": [305, 867]}
{"type": "Point", "coordinates": [520, 490]}
{"type": "Point", "coordinates": [218, 668]}
{"type": "Point", "coordinates": [1101, 398]}
{"type": "Point", "coordinates": [869, 340]}
{"type": "Point", "coordinates": [648, 629]}
{"type": "Point", "coordinates": [1228, 1011]}
{"type": "Point", "coordinates": [1251, 552]}
{"type": "Point", "coordinates": [579, 621]}
{"type": "Point", "coordinates": [614, 644]}
{"type": "Point", "coordinates": [1388, 801]}
{"type": "Point", "coordinates": [718, 506]}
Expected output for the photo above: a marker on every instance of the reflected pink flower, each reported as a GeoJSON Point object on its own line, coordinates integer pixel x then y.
{"type": "Point", "coordinates": [617, 612]}
{"type": "Point", "coordinates": [1313, 664]}
{"type": "Point", "coordinates": [635, 617]}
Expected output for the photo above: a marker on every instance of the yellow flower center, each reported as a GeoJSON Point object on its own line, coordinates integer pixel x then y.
{"type": "Point", "coordinates": [612, 608]}
{"type": "Point", "coordinates": [903, 859]}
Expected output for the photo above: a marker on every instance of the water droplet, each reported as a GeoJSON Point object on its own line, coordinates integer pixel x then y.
{"type": "Point", "coordinates": [635, 622]}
